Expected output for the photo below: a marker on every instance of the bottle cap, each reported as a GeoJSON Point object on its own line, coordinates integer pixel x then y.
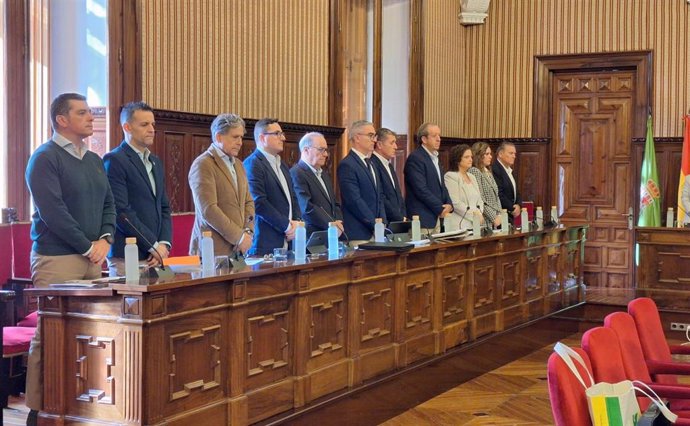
{"type": "Point", "coordinates": [415, 217]}
{"type": "Point", "coordinates": [539, 208]}
{"type": "Point", "coordinates": [331, 223]}
{"type": "Point", "coordinates": [553, 207]}
{"type": "Point", "coordinates": [130, 240]}
{"type": "Point", "coordinates": [670, 208]}
{"type": "Point", "coordinates": [379, 220]}
{"type": "Point", "coordinates": [504, 210]}
{"type": "Point", "coordinates": [524, 209]}
{"type": "Point", "coordinates": [206, 234]}
{"type": "Point", "coordinates": [300, 224]}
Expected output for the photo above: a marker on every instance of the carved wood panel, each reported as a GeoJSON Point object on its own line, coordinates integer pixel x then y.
{"type": "Point", "coordinates": [592, 154]}
{"type": "Point", "coordinates": [483, 286]}
{"type": "Point", "coordinates": [194, 363]}
{"type": "Point", "coordinates": [509, 279]}
{"type": "Point", "coordinates": [328, 318]}
{"type": "Point", "coordinates": [95, 360]}
{"type": "Point", "coordinates": [454, 297]}
{"type": "Point", "coordinates": [267, 343]}
{"type": "Point", "coordinates": [418, 296]}
{"type": "Point", "coordinates": [534, 277]}
{"type": "Point", "coordinates": [375, 316]}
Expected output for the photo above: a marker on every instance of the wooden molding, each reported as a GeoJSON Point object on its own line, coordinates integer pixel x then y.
{"type": "Point", "coordinates": [124, 61]}
{"type": "Point", "coordinates": [546, 66]}
{"type": "Point", "coordinates": [661, 140]}
{"type": "Point", "coordinates": [377, 67]}
{"type": "Point", "coordinates": [18, 133]}
{"type": "Point", "coordinates": [416, 69]}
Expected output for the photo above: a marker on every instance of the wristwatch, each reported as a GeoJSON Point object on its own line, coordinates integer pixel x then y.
{"type": "Point", "coordinates": [108, 238]}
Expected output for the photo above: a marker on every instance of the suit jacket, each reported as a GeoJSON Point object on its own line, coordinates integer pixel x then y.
{"type": "Point", "coordinates": [393, 201]}
{"type": "Point", "coordinates": [318, 207]}
{"type": "Point", "coordinates": [489, 191]}
{"type": "Point", "coordinates": [271, 203]}
{"type": "Point", "coordinates": [135, 199]}
{"type": "Point", "coordinates": [219, 206]}
{"type": "Point", "coordinates": [506, 194]}
{"type": "Point", "coordinates": [426, 193]}
{"type": "Point", "coordinates": [467, 200]}
{"type": "Point", "coordinates": [361, 198]}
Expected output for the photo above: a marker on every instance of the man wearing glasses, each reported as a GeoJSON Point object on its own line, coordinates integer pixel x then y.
{"type": "Point", "coordinates": [427, 195]}
{"type": "Point", "coordinates": [314, 187]}
{"type": "Point", "coordinates": [276, 207]}
{"type": "Point", "coordinates": [360, 185]}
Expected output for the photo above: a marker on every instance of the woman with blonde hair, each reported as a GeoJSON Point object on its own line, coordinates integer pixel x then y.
{"type": "Point", "coordinates": [481, 170]}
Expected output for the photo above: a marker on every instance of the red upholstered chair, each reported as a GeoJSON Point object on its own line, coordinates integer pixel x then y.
{"type": "Point", "coordinates": [651, 333]}
{"type": "Point", "coordinates": [568, 400]}
{"type": "Point", "coordinates": [15, 344]}
{"type": "Point", "coordinates": [604, 350]}
{"type": "Point", "coordinates": [21, 250]}
{"type": "Point", "coordinates": [182, 224]}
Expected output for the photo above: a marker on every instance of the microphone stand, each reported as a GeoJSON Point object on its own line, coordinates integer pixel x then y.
{"type": "Point", "coordinates": [162, 272]}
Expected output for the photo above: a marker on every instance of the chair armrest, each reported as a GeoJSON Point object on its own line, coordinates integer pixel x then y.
{"type": "Point", "coordinates": [669, 391]}
{"type": "Point", "coordinates": [662, 367]}
{"type": "Point", "coordinates": [680, 349]}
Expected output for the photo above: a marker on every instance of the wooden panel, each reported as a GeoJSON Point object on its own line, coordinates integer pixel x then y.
{"type": "Point", "coordinates": [662, 272]}
{"type": "Point", "coordinates": [254, 343]}
{"type": "Point", "coordinates": [181, 137]}
{"type": "Point", "coordinates": [252, 58]}
{"type": "Point", "coordinates": [496, 70]}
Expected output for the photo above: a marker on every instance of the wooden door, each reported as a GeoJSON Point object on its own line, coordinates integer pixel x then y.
{"type": "Point", "coordinates": [592, 174]}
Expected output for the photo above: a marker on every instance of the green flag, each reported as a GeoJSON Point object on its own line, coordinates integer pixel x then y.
{"type": "Point", "coordinates": [650, 195]}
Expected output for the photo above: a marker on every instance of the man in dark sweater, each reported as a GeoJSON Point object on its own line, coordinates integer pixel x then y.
{"type": "Point", "coordinates": [74, 219]}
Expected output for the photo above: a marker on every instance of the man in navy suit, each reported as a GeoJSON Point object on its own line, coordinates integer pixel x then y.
{"type": "Point", "coordinates": [360, 191]}
{"type": "Point", "coordinates": [138, 183]}
{"type": "Point", "coordinates": [276, 207]}
{"type": "Point", "coordinates": [384, 154]}
{"type": "Point", "coordinates": [427, 195]}
{"type": "Point", "coordinates": [503, 174]}
{"type": "Point", "coordinates": [314, 187]}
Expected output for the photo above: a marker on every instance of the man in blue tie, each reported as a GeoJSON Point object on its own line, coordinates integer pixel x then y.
{"type": "Point", "coordinates": [314, 186]}
{"type": "Point", "coordinates": [276, 207]}
{"type": "Point", "coordinates": [137, 179]}
{"type": "Point", "coordinates": [427, 195]}
{"type": "Point", "coordinates": [360, 189]}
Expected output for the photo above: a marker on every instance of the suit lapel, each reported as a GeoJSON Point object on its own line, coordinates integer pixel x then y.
{"type": "Point", "coordinates": [224, 170]}
{"type": "Point", "coordinates": [314, 180]}
{"type": "Point", "coordinates": [363, 165]}
{"type": "Point", "coordinates": [138, 164]}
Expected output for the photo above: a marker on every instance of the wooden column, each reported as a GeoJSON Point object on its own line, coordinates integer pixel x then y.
{"type": "Point", "coordinates": [416, 88]}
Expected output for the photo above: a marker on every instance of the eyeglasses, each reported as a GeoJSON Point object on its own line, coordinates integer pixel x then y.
{"type": "Point", "coordinates": [279, 134]}
{"type": "Point", "coordinates": [321, 150]}
{"type": "Point", "coordinates": [371, 136]}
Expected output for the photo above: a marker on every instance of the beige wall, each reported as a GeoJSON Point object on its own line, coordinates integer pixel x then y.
{"type": "Point", "coordinates": [487, 69]}
{"type": "Point", "coordinates": [254, 58]}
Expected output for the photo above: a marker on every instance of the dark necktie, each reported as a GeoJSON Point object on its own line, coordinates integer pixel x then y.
{"type": "Point", "coordinates": [371, 169]}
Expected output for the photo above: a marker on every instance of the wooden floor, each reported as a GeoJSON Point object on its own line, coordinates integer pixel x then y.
{"type": "Point", "coordinates": [16, 413]}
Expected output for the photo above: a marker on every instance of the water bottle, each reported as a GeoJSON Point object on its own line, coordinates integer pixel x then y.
{"type": "Point", "coordinates": [554, 215]}
{"type": "Point", "coordinates": [300, 242]}
{"type": "Point", "coordinates": [332, 241]}
{"type": "Point", "coordinates": [524, 220]}
{"type": "Point", "coordinates": [379, 234]}
{"type": "Point", "coordinates": [505, 226]}
{"type": "Point", "coordinates": [131, 261]}
{"type": "Point", "coordinates": [416, 228]}
{"type": "Point", "coordinates": [669, 217]}
{"type": "Point", "coordinates": [207, 254]}
{"type": "Point", "coordinates": [476, 225]}
{"type": "Point", "coordinates": [540, 217]}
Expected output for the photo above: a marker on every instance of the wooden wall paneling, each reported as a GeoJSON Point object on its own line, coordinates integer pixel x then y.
{"type": "Point", "coordinates": [124, 62]}
{"type": "Point", "coordinates": [662, 273]}
{"type": "Point", "coordinates": [181, 137]}
{"type": "Point", "coordinates": [16, 15]}
{"type": "Point", "coordinates": [416, 72]}
{"type": "Point", "coordinates": [376, 68]}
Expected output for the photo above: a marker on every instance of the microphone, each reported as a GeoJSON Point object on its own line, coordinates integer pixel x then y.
{"type": "Point", "coordinates": [464, 214]}
{"type": "Point", "coordinates": [161, 272]}
{"type": "Point", "coordinates": [347, 239]}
